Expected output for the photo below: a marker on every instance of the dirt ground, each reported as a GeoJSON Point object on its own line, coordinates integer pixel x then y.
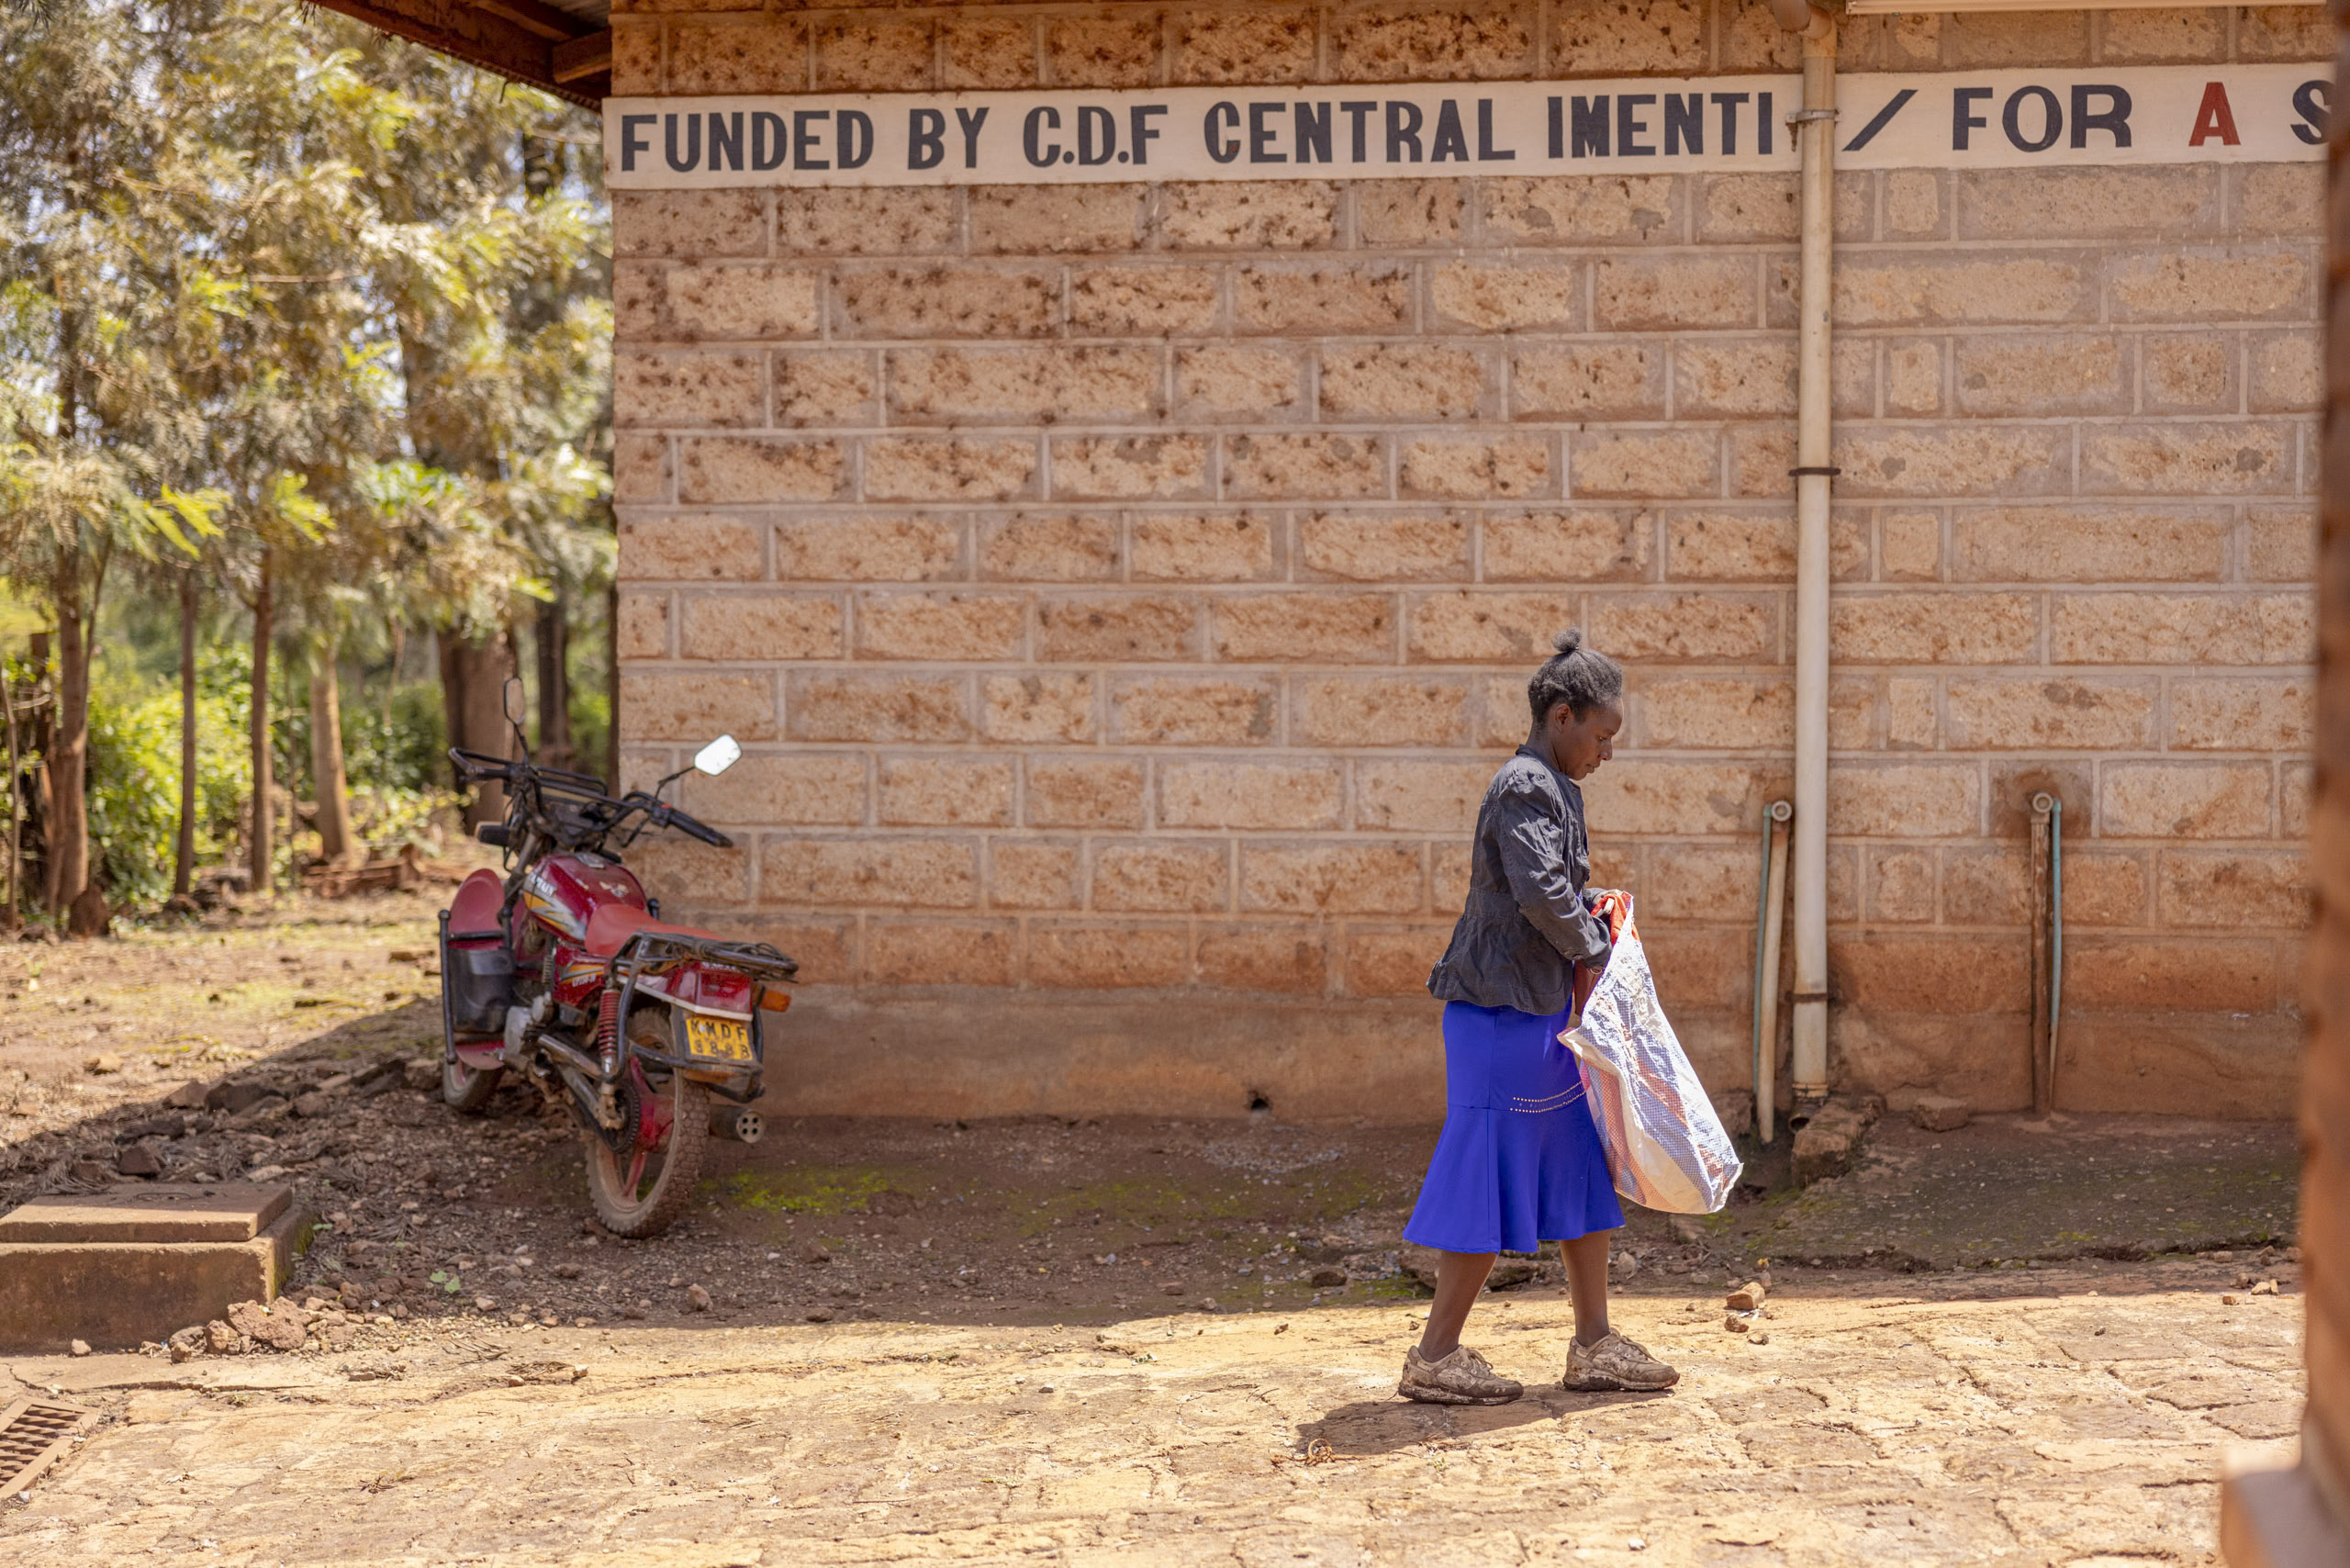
{"type": "Point", "coordinates": [1040, 1339]}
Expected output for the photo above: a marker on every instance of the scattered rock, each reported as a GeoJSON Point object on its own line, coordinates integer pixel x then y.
{"type": "Point", "coordinates": [1736, 1324]}
{"type": "Point", "coordinates": [169, 1126]}
{"type": "Point", "coordinates": [138, 1159]}
{"type": "Point", "coordinates": [90, 1172]}
{"type": "Point", "coordinates": [1171, 1287]}
{"type": "Point", "coordinates": [1509, 1272]}
{"type": "Point", "coordinates": [101, 1064]}
{"type": "Point", "coordinates": [261, 1113]}
{"type": "Point", "coordinates": [1624, 1265]}
{"type": "Point", "coordinates": [1746, 1297]}
{"type": "Point", "coordinates": [1326, 1279]}
{"type": "Point", "coordinates": [423, 1075]}
{"type": "Point", "coordinates": [314, 1103]}
{"type": "Point", "coordinates": [1327, 1249]}
{"type": "Point", "coordinates": [281, 1326]}
{"type": "Point", "coordinates": [1758, 1337]}
{"type": "Point", "coordinates": [813, 1253]}
{"type": "Point", "coordinates": [80, 1346]}
{"type": "Point", "coordinates": [235, 1098]}
{"type": "Point", "coordinates": [697, 1298]}
{"type": "Point", "coordinates": [266, 1174]}
{"type": "Point", "coordinates": [1940, 1114]}
{"type": "Point", "coordinates": [189, 1096]}
{"type": "Point", "coordinates": [219, 1337]}
{"type": "Point", "coordinates": [189, 1343]}
{"type": "Point", "coordinates": [820, 1315]}
{"type": "Point", "coordinates": [2229, 1300]}
{"type": "Point", "coordinates": [1825, 1145]}
{"type": "Point", "coordinates": [2265, 1287]}
{"type": "Point", "coordinates": [566, 1271]}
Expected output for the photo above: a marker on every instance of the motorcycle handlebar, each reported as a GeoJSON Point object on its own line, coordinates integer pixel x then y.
{"type": "Point", "coordinates": [692, 827]}
{"type": "Point", "coordinates": [474, 767]}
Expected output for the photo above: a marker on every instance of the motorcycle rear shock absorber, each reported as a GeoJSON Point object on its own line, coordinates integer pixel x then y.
{"type": "Point", "coordinates": [608, 1029]}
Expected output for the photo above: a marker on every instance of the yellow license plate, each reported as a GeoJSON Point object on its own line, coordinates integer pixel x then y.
{"type": "Point", "coordinates": [723, 1039]}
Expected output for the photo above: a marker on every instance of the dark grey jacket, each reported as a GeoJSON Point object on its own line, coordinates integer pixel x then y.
{"type": "Point", "coordinates": [1527, 921]}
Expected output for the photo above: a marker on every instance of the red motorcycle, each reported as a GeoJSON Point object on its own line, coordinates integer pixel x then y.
{"type": "Point", "coordinates": [564, 973]}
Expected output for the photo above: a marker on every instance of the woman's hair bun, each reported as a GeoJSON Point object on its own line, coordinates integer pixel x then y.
{"type": "Point", "coordinates": [1577, 676]}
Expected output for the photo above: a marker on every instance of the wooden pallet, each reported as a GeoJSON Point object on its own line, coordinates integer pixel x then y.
{"type": "Point", "coordinates": [34, 1435]}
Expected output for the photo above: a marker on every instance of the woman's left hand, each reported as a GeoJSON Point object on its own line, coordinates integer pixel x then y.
{"type": "Point", "coordinates": [1615, 909]}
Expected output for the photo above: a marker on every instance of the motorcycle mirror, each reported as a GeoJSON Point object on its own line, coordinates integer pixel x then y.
{"type": "Point", "coordinates": [717, 757]}
{"type": "Point", "coordinates": [513, 698]}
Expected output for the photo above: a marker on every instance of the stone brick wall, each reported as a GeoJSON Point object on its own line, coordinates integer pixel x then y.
{"type": "Point", "coordinates": [1123, 592]}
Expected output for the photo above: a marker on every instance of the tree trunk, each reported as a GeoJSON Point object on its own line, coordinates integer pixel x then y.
{"type": "Point", "coordinates": [337, 844]}
{"type": "Point", "coordinates": [472, 679]}
{"type": "Point", "coordinates": [68, 823]}
{"type": "Point", "coordinates": [184, 842]}
{"type": "Point", "coordinates": [263, 816]}
{"type": "Point", "coordinates": [37, 794]}
{"type": "Point", "coordinates": [555, 681]}
{"type": "Point", "coordinates": [397, 630]}
{"type": "Point", "coordinates": [15, 805]}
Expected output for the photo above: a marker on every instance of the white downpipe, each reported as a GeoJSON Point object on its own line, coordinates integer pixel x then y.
{"type": "Point", "coordinates": [1813, 445]}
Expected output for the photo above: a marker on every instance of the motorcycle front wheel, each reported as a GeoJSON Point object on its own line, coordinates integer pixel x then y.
{"type": "Point", "coordinates": [643, 1191]}
{"type": "Point", "coordinates": [467, 1089]}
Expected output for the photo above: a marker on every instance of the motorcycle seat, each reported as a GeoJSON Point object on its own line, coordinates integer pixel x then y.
{"type": "Point", "coordinates": [615, 924]}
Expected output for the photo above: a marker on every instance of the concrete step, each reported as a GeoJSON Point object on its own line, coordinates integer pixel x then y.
{"type": "Point", "coordinates": [135, 1263]}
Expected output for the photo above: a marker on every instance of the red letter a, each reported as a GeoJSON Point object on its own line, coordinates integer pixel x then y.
{"type": "Point", "coordinates": [2214, 118]}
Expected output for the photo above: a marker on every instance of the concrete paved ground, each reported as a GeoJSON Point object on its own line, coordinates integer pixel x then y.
{"type": "Point", "coordinates": [2083, 1421]}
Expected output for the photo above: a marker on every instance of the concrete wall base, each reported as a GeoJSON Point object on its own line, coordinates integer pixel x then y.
{"type": "Point", "coordinates": [940, 1051]}
{"type": "Point", "coordinates": [840, 1052]}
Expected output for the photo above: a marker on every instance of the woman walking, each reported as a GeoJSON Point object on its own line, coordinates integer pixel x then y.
{"type": "Point", "coordinates": [1520, 1161]}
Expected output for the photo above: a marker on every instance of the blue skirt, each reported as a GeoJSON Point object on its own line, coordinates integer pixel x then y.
{"type": "Point", "coordinates": [1520, 1161]}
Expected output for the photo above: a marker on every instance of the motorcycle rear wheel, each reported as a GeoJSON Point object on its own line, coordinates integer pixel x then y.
{"type": "Point", "coordinates": [643, 1192]}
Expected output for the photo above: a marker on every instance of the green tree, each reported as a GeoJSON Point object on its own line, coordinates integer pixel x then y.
{"type": "Point", "coordinates": [306, 320]}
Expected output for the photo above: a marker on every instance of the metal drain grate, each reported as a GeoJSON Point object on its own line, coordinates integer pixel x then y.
{"type": "Point", "coordinates": [33, 1435]}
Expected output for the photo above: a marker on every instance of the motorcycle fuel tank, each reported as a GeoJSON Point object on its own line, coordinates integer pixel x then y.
{"type": "Point", "coordinates": [564, 889]}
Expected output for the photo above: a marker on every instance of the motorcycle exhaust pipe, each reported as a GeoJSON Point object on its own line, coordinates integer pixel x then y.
{"type": "Point", "coordinates": [738, 1123]}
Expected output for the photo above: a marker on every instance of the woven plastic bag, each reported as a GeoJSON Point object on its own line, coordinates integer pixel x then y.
{"type": "Point", "coordinates": [1666, 1149]}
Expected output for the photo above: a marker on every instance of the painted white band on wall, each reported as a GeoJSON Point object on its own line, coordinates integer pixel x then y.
{"type": "Point", "coordinates": [2264, 114]}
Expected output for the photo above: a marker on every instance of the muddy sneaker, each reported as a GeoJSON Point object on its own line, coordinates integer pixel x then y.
{"type": "Point", "coordinates": [1615, 1363]}
{"type": "Point", "coordinates": [1461, 1378]}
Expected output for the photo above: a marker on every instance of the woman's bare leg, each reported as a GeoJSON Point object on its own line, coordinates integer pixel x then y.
{"type": "Point", "coordinates": [1459, 1276]}
{"type": "Point", "coordinates": [1587, 1260]}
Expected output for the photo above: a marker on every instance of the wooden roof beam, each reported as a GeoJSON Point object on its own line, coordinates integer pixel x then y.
{"type": "Point", "coordinates": [515, 39]}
